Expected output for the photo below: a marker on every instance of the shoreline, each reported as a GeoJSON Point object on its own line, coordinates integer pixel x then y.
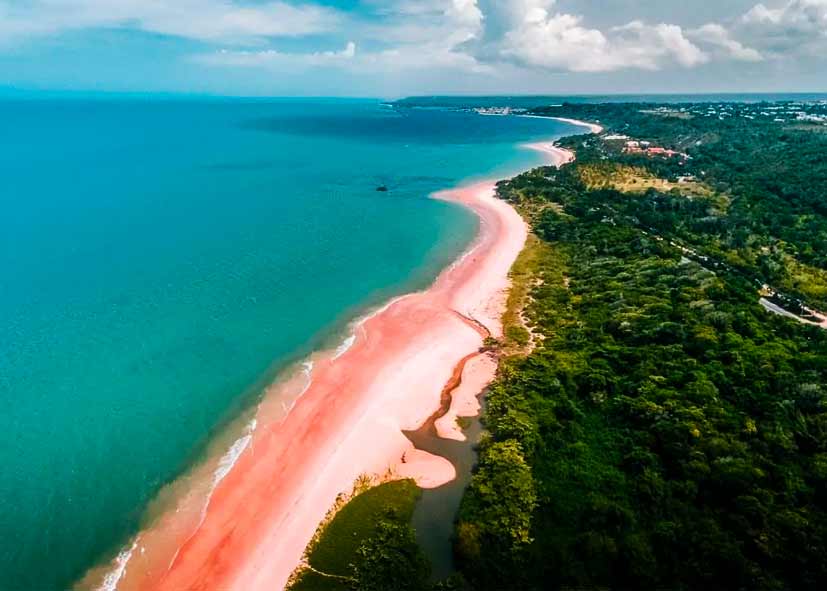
{"type": "Point", "coordinates": [278, 481]}
{"type": "Point", "coordinates": [593, 127]}
{"type": "Point", "coordinates": [557, 156]}
{"type": "Point", "coordinates": [243, 521]}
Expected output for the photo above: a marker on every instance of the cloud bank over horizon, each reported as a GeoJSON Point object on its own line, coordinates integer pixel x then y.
{"type": "Point", "coordinates": [413, 46]}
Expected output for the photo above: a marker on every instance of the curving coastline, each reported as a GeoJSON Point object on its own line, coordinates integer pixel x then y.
{"type": "Point", "coordinates": [557, 156]}
{"type": "Point", "coordinates": [345, 420]}
{"type": "Point", "coordinates": [593, 127]}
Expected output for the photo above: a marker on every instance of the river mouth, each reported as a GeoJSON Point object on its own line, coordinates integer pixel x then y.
{"type": "Point", "coordinates": [436, 510]}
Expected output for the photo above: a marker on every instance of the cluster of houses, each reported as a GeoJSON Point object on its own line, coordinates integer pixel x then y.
{"type": "Point", "coordinates": [646, 148]}
{"type": "Point", "coordinates": [812, 118]}
{"type": "Point", "coordinates": [782, 112]}
{"type": "Point", "coordinates": [502, 111]}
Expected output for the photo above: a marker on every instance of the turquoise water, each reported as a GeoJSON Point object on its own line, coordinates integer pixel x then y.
{"type": "Point", "coordinates": [159, 258]}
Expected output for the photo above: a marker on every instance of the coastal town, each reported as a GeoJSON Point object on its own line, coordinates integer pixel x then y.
{"type": "Point", "coordinates": [806, 112]}
{"type": "Point", "coordinates": [784, 112]}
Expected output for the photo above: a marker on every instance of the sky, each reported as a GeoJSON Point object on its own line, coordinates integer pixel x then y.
{"type": "Point", "coordinates": [394, 48]}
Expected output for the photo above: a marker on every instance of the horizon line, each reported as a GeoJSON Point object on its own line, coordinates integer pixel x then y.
{"type": "Point", "coordinates": [7, 92]}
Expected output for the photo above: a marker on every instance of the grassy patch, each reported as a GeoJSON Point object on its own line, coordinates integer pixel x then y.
{"type": "Point", "coordinates": [635, 179]}
{"type": "Point", "coordinates": [527, 268]}
{"type": "Point", "coordinates": [807, 280]}
{"type": "Point", "coordinates": [335, 550]}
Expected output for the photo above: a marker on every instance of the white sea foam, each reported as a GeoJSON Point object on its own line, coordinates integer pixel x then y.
{"type": "Point", "coordinates": [366, 318]}
{"type": "Point", "coordinates": [225, 464]}
{"type": "Point", "coordinates": [307, 372]}
{"type": "Point", "coordinates": [307, 367]}
{"type": "Point", "coordinates": [343, 348]}
{"type": "Point", "coordinates": [111, 580]}
{"type": "Point", "coordinates": [228, 460]}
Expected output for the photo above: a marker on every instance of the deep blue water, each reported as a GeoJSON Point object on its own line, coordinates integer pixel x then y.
{"type": "Point", "coordinates": [161, 258]}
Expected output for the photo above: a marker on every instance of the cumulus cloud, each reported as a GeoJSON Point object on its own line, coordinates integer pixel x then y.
{"type": "Point", "coordinates": [485, 35]}
{"type": "Point", "coordinates": [415, 34]}
{"type": "Point", "coordinates": [466, 12]}
{"type": "Point", "coordinates": [445, 22]}
{"type": "Point", "coordinates": [719, 37]}
{"type": "Point", "coordinates": [488, 36]}
{"type": "Point", "coordinates": [556, 42]}
{"type": "Point", "coordinates": [204, 20]}
{"type": "Point", "coordinates": [409, 35]}
{"type": "Point", "coordinates": [761, 14]}
{"type": "Point", "coordinates": [559, 41]}
{"type": "Point", "coordinates": [648, 46]}
{"type": "Point", "coordinates": [797, 27]}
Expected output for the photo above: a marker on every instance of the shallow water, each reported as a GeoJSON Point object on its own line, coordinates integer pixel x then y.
{"type": "Point", "coordinates": [436, 510]}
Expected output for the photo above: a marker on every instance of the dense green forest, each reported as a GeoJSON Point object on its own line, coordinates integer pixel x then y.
{"type": "Point", "coordinates": [652, 426]}
{"type": "Point", "coordinates": [768, 179]}
{"type": "Point", "coordinates": [666, 431]}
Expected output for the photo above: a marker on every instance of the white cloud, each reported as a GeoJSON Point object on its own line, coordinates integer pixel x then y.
{"type": "Point", "coordinates": [448, 23]}
{"type": "Point", "coordinates": [465, 12]}
{"type": "Point", "coordinates": [205, 20]}
{"type": "Point", "coordinates": [278, 59]}
{"type": "Point", "coordinates": [798, 27]}
{"type": "Point", "coordinates": [560, 41]}
{"type": "Point", "coordinates": [717, 36]}
{"type": "Point", "coordinates": [557, 42]}
{"type": "Point", "coordinates": [761, 14]}
{"type": "Point", "coordinates": [397, 60]}
{"type": "Point", "coordinates": [460, 36]}
{"type": "Point", "coordinates": [415, 34]}
{"type": "Point", "coordinates": [487, 35]}
{"type": "Point", "coordinates": [652, 45]}
{"type": "Point", "coordinates": [409, 36]}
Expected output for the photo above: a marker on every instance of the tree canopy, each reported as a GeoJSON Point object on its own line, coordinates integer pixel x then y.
{"type": "Point", "coordinates": [667, 431]}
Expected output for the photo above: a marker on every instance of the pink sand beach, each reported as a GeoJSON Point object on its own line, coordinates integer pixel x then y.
{"type": "Point", "coordinates": [557, 156]}
{"type": "Point", "coordinates": [593, 127]}
{"type": "Point", "coordinates": [346, 422]}
{"type": "Point", "coordinates": [243, 523]}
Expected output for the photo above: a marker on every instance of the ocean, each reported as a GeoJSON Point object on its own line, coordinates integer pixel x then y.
{"type": "Point", "coordinates": [163, 260]}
